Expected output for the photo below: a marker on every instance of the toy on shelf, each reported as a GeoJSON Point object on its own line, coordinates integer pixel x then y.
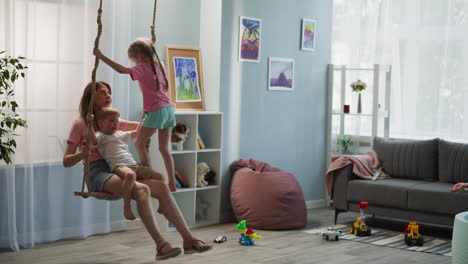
{"type": "Point", "coordinates": [332, 234]}
{"type": "Point", "coordinates": [210, 177]}
{"type": "Point", "coordinates": [247, 235]}
{"type": "Point", "coordinates": [413, 235]}
{"type": "Point", "coordinates": [359, 227]}
{"type": "Point", "coordinates": [181, 179]}
{"type": "Point", "coordinates": [180, 133]}
{"type": "Point", "coordinates": [201, 143]}
{"type": "Point", "coordinates": [202, 170]}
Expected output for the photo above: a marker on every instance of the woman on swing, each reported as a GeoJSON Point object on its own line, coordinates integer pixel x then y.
{"type": "Point", "coordinates": [102, 179]}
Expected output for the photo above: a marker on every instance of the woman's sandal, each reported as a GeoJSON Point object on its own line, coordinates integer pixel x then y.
{"type": "Point", "coordinates": [201, 248]}
{"type": "Point", "coordinates": [172, 252]}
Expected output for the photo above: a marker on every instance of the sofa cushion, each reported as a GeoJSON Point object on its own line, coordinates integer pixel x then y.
{"type": "Point", "coordinates": [436, 197]}
{"type": "Point", "coordinates": [453, 162]}
{"type": "Point", "coordinates": [388, 192]}
{"type": "Point", "coordinates": [408, 159]}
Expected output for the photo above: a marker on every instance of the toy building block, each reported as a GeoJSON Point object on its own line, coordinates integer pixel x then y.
{"type": "Point", "coordinates": [248, 235]}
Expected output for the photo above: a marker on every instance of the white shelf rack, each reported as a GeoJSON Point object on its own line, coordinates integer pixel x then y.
{"type": "Point", "coordinates": [199, 206]}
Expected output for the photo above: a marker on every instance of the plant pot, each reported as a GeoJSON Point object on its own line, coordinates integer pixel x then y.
{"type": "Point", "coordinates": [345, 152]}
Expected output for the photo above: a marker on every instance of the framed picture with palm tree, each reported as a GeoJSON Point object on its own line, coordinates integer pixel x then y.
{"type": "Point", "coordinates": [185, 77]}
{"type": "Point", "coordinates": [308, 34]}
{"type": "Point", "coordinates": [250, 31]}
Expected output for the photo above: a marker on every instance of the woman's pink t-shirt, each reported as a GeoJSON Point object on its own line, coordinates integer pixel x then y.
{"type": "Point", "coordinates": [152, 99]}
{"type": "Point", "coordinates": [79, 131]}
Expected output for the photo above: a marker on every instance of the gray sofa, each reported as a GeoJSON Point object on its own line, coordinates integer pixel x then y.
{"type": "Point", "coordinates": [422, 175]}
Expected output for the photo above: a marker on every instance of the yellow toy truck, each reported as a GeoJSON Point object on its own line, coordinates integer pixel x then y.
{"type": "Point", "coordinates": [359, 228]}
{"type": "Point", "coordinates": [413, 235]}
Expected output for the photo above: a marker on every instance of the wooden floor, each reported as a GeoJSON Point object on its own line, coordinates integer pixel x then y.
{"type": "Point", "coordinates": [134, 246]}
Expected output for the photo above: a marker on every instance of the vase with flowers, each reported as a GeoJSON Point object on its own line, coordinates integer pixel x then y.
{"type": "Point", "coordinates": [359, 86]}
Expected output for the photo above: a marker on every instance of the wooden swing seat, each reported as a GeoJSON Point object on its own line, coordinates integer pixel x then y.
{"type": "Point", "coordinates": [97, 195]}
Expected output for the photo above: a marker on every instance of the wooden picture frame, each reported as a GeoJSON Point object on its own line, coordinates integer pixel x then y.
{"type": "Point", "coordinates": [185, 76]}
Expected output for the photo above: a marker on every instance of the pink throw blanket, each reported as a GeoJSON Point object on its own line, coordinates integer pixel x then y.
{"type": "Point", "coordinates": [364, 166]}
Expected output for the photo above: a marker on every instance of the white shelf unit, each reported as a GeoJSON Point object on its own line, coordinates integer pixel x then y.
{"type": "Point", "coordinates": [372, 121]}
{"type": "Point", "coordinates": [199, 206]}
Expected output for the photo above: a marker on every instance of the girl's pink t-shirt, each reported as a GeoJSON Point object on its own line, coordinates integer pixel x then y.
{"type": "Point", "coordinates": [152, 99]}
{"type": "Point", "coordinates": [78, 134]}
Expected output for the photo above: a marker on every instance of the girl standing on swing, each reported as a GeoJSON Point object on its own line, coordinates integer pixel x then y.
{"type": "Point", "coordinates": [157, 105]}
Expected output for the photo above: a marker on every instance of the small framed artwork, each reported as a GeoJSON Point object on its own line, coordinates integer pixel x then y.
{"type": "Point", "coordinates": [308, 34]}
{"type": "Point", "coordinates": [250, 31]}
{"type": "Point", "coordinates": [185, 77]}
{"type": "Point", "coordinates": [281, 74]}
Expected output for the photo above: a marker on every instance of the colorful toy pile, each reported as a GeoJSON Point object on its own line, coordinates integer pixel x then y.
{"type": "Point", "coordinates": [247, 235]}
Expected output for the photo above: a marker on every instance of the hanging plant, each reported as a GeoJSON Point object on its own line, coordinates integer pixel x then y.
{"type": "Point", "coordinates": [11, 69]}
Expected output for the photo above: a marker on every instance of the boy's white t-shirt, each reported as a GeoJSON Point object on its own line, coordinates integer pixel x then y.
{"type": "Point", "coordinates": [114, 148]}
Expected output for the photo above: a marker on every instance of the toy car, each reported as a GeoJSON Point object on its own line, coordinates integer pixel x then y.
{"type": "Point", "coordinates": [359, 227]}
{"type": "Point", "coordinates": [332, 234]}
{"type": "Point", "coordinates": [220, 239]}
{"type": "Point", "coordinates": [413, 236]}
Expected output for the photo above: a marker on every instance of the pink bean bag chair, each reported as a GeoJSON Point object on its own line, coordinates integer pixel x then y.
{"type": "Point", "coordinates": [266, 197]}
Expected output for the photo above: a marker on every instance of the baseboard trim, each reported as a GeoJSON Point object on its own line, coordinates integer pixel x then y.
{"type": "Point", "coordinates": [315, 204]}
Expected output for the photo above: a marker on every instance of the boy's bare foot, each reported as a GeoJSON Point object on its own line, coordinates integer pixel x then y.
{"type": "Point", "coordinates": [128, 213]}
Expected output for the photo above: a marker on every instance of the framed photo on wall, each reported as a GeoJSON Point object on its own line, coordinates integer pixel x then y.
{"type": "Point", "coordinates": [250, 31]}
{"type": "Point", "coordinates": [280, 74]}
{"type": "Point", "coordinates": [308, 34]}
{"type": "Point", "coordinates": [185, 77]}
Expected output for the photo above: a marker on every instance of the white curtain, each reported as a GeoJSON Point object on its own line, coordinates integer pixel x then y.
{"type": "Point", "coordinates": [36, 192]}
{"type": "Point", "coordinates": [426, 43]}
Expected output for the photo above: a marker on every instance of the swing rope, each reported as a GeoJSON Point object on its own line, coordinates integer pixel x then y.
{"type": "Point", "coordinates": [86, 169]}
{"type": "Point", "coordinates": [153, 40]}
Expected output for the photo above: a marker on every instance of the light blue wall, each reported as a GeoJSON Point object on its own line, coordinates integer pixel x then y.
{"type": "Point", "coordinates": [285, 129]}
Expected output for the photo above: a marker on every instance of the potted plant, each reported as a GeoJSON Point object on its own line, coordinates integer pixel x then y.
{"type": "Point", "coordinates": [11, 69]}
{"type": "Point", "coordinates": [344, 142]}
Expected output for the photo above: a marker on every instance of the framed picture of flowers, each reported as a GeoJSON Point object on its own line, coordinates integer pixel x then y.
{"type": "Point", "coordinates": [308, 34]}
{"type": "Point", "coordinates": [185, 77]}
{"type": "Point", "coordinates": [250, 31]}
